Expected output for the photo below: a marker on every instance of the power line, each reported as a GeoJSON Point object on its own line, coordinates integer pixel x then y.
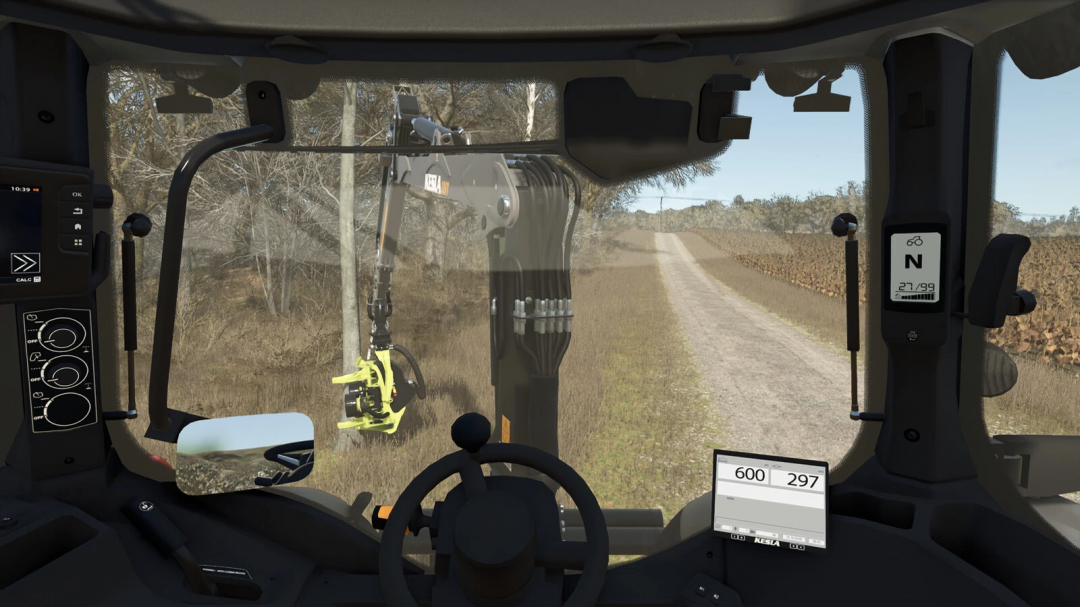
{"type": "Point", "coordinates": [676, 198]}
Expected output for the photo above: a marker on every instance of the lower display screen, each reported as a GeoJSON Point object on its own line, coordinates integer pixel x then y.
{"type": "Point", "coordinates": [20, 234]}
{"type": "Point", "coordinates": [771, 501]}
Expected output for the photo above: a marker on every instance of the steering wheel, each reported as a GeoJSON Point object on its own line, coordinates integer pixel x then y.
{"type": "Point", "coordinates": [509, 520]}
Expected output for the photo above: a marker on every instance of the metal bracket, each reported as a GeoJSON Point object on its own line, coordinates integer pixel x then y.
{"type": "Point", "coordinates": [482, 181]}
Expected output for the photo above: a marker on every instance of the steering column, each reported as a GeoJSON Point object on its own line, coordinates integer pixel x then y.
{"type": "Point", "coordinates": [494, 533]}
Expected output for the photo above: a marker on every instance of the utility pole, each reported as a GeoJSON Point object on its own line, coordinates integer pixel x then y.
{"type": "Point", "coordinates": [661, 213]}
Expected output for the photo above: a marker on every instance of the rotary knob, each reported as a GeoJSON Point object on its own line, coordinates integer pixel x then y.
{"type": "Point", "coordinates": [67, 409]}
{"type": "Point", "coordinates": [61, 335]}
{"type": "Point", "coordinates": [64, 372]}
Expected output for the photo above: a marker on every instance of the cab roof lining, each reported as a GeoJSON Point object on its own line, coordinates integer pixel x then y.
{"type": "Point", "coordinates": [463, 19]}
{"type": "Point", "coordinates": [602, 36]}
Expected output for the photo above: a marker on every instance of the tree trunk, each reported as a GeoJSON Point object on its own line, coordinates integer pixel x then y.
{"type": "Point", "coordinates": [287, 271]}
{"type": "Point", "coordinates": [435, 250]}
{"type": "Point", "coordinates": [183, 294]}
{"type": "Point", "coordinates": [530, 116]}
{"type": "Point", "coordinates": [350, 313]}
{"type": "Point", "coordinates": [268, 288]}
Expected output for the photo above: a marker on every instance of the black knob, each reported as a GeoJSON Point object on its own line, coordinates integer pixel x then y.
{"type": "Point", "coordinates": [140, 224]}
{"type": "Point", "coordinates": [67, 409]}
{"type": "Point", "coordinates": [471, 431]}
{"type": "Point", "coordinates": [61, 335]}
{"type": "Point", "coordinates": [840, 224]}
{"type": "Point", "coordinates": [63, 372]}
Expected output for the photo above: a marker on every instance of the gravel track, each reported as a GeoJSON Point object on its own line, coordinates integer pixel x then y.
{"type": "Point", "coordinates": [778, 392]}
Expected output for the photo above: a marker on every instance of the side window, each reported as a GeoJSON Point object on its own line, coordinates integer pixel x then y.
{"type": "Point", "coordinates": [757, 278]}
{"type": "Point", "coordinates": [1035, 195]}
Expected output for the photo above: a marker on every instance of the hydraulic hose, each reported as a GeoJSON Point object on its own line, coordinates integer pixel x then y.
{"type": "Point", "coordinates": [421, 387]}
{"type": "Point", "coordinates": [573, 222]}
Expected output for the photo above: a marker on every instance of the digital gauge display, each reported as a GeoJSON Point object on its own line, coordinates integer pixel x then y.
{"type": "Point", "coordinates": [772, 501]}
{"type": "Point", "coordinates": [915, 267]}
{"type": "Point", "coordinates": [20, 234]}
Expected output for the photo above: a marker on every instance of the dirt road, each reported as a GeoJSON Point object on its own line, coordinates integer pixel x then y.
{"type": "Point", "coordinates": [779, 392]}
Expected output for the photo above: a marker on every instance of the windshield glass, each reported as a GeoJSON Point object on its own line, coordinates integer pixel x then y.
{"type": "Point", "coordinates": [1036, 357]}
{"type": "Point", "coordinates": [707, 308]}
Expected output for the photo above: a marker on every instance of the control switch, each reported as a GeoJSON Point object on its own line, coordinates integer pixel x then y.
{"type": "Point", "coordinates": [703, 591]}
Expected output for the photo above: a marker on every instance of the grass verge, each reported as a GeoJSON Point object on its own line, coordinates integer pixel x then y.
{"type": "Point", "coordinates": [659, 424]}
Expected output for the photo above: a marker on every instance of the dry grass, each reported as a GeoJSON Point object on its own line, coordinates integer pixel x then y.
{"type": "Point", "coordinates": [637, 435]}
{"type": "Point", "coordinates": [652, 432]}
{"type": "Point", "coordinates": [1046, 400]}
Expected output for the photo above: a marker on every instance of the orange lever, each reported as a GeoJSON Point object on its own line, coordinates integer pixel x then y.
{"type": "Point", "coordinates": [379, 517]}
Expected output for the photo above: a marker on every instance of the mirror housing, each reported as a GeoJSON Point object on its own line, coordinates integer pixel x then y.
{"type": "Point", "coordinates": [245, 452]}
{"type": "Point", "coordinates": [999, 371]}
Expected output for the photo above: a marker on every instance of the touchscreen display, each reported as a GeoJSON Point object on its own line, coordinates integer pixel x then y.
{"type": "Point", "coordinates": [772, 501]}
{"type": "Point", "coordinates": [20, 234]}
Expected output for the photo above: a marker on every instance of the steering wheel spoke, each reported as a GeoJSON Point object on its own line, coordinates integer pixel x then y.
{"type": "Point", "coordinates": [563, 555]}
{"type": "Point", "coordinates": [472, 478]}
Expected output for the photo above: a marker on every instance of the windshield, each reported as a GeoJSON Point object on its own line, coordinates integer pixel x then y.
{"type": "Point", "coordinates": [706, 302]}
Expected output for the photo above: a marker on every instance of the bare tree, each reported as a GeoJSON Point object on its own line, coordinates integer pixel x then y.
{"type": "Point", "coordinates": [350, 316]}
{"type": "Point", "coordinates": [530, 104]}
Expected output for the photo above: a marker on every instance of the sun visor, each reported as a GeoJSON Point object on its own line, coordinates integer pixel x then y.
{"type": "Point", "coordinates": [1046, 46]}
{"type": "Point", "coordinates": [294, 81]}
{"type": "Point", "coordinates": [616, 135]}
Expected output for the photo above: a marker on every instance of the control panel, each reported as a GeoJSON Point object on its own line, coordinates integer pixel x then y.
{"type": "Point", "coordinates": [770, 501]}
{"type": "Point", "coordinates": [59, 350]}
{"type": "Point", "coordinates": [703, 591]}
{"type": "Point", "coordinates": [46, 231]}
{"type": "Point", "coordinates": [915, 281]}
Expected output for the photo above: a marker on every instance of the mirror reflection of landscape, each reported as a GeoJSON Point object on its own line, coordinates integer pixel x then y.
{"type": "Point", "coordinates": [244, 452]}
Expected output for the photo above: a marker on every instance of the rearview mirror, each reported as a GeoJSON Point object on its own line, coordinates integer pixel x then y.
{"type": "Point", "coordinates": [244, 452]}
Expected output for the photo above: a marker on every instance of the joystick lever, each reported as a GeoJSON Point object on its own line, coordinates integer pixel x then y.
{"type": "Point", "coordinates": [136, 225]}
{"type": "Point", "coordinates": [846, 224]}
{"type": "Point", "coordinates": [166, 537]}
{"type": "Point", "coordinates": [993, 293]}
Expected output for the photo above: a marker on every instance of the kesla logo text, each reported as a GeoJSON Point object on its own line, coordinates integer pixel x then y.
{"type": "Point", "coordinates": [758, 540]}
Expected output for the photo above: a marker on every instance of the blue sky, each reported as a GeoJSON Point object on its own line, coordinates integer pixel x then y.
{"type": "Point", "coordinates": [1038, 162]}
{"type": "Point", "coordinates": [245, 432]}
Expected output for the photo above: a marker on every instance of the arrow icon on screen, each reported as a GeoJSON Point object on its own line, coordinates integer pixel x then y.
{"type": "Point", "coordinates": [25, 263]}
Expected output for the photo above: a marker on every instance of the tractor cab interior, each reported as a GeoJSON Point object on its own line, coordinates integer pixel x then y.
{"type": "Point", "coordinates": [203, 206]}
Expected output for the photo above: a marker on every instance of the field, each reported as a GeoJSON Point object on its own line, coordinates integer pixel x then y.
{"type": "Point", "coordinates": [1044, 343]}
{"type": "Point", "coordinates": [1050, 270]}
{"type": "Point", "coordinates": [635, 440]}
